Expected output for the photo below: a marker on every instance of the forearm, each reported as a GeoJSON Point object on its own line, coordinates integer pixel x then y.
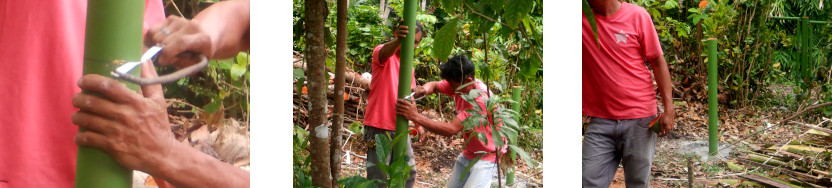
{"type": "Point", "coordinates": [227, 24]}
{"type": "Point", "coordinates": [440, 128]}
{"type": "Point", "coordinates": [389, 48]}
{"type": "Point", "coordinates": [662, 75]}
{"type": "Point", "coordinates": [187, 167]}
{"type": "Point", "coordinates": [430, 88]}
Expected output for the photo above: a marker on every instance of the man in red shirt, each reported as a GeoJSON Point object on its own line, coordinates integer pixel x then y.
{"type": "Point", "coordinates": [456, 72]}
{"type": "Point", "coordinates": [619, 96]}
{"type": "Point", "coordinates": [380, 116]}
{"type": "Point", "coordinates": [41, 57]}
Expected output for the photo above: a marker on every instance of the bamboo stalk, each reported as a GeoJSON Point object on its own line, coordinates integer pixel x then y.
{"type": "Point", "coordinates": [713, 110]}
{"type": "Point", "coordinates": [113, 36]}
{"type": "Point", "coordinates": [405, 73]}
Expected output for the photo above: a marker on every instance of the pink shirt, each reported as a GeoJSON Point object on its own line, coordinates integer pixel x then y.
{"type": "Point", "coordinates": [384, 89]}
{"type": "Point", "coordinates": [616, 81]}
{"type": "Point", "coordinates": [41, 57]}
{"type": "Point", "coordinates": [474, 145]}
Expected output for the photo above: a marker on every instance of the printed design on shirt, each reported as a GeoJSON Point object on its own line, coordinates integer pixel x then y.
{"type": "Point", "coordinates": [621, 37]}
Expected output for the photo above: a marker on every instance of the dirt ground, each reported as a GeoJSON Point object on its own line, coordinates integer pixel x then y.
{"type": "Point", "coordinates": [736, 130]}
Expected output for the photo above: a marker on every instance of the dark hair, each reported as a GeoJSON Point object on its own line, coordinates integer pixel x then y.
{"type": "Point", "coordinates": [419, 28]}
{"type": "Point", "coordinates": [457, 68]}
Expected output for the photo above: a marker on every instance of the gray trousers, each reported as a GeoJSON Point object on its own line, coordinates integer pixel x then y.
{"type": "Point", "coordinates": [608, 142]}
{"type": "Point", "coordinates": [373, 172]}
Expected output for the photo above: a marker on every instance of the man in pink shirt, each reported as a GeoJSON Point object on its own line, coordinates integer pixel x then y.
{"type": "Point", "coordinates": [456, 72]}
{"type": "Point", "coordinates": [619, 96]}
{"type": "Point", "coordinates": [380, 116]}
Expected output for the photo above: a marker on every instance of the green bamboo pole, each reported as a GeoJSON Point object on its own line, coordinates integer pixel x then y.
{"type": "Point", "coordinates": [712, 97]}
{"type": "Point", "coordinates": [405, 71]}
{"type": "Point", "coordinates": [113, 36]}
{"type": "Point", "coordinates": [516, 93]}
{"type": "Point", "coordinates": [805, 46]}
{"type": "Point", "coordinates": [797, 18]}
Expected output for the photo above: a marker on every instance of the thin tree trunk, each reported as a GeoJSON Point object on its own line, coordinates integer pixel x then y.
{"type": "Point", "coordinates": [316, 60]}
{"type": "Point", "coordinates": [340, 69]}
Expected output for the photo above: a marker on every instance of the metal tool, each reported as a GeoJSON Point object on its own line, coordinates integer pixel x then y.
{"type": "Point", "coordinates": [410, 97]}
{"type": "Point", "coordinates": [122, 71]}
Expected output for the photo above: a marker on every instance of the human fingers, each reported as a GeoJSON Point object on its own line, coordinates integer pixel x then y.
{"type": "Point", "coordinates": [110, 88]}
{"type": "Point", "coordinates": [157, 33]}
{"type": "Point", "coordinates": [92, 122]}
{"type": "Point", "coordinates": [183, 49]}
{"type": "Point", "coordinates": [99, 106]}
{"type": "Point", "coordinates": [92, 139]}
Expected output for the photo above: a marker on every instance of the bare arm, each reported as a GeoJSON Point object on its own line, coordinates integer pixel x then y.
{"type": "Point", "coordinates": [134, 129]}
{"type": "Point", "coordinates": [394, 45]}
{"type": "Point", "coordinates": [186, 167]}
{"type": "Point", "coordinates": [662, 74]}
{"type": "Point", "coordinates": [218, 32]}
{"type": "Point", "coordinates": [408, 110]}
{"type": "Point", "coordinates": [227, 23]}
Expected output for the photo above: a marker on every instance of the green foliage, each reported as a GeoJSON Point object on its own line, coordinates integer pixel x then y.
{"type": "Point", "coordinates": [224, 83]}
{"type": "Point", "coordinates": [398, 171]}
{"type": "Point", "coordinates": [357, 181]}
{"type": "Point", "coordinates": [755, 51]}
{"type": "Point", "coordinates": [591, 18]}
{"type": "Point", "coordinates": [445, 40]}
{"type": "Point", "coordinates": [300, 158]}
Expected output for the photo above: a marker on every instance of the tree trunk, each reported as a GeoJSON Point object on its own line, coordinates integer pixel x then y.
{"type": "Point", "coordinates": [113, 34]}
{"type": "Point", "coordinates": [340, 69]}
{"type": "Point", "coordinates": [316, 60]}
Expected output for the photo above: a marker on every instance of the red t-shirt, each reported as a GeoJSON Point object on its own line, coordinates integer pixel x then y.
{"type": "Point", "coordinates": [616, 81]}
{"type": "Point", "coordinates": [41, 57]}
{"type": "Point", "coordinates": [474, 145]}
{"type": "Point", "coordinates": [384, 89]}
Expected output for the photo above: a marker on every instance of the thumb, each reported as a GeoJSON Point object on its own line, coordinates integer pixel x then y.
{"type": "Point", "coordinates": [153, 91]}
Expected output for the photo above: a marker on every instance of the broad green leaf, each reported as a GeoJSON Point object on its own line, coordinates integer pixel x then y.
{"type": "Point", "coordinates": [225, 64]}
{"type": "Point", "coordinates": [451, 5]}
{"type": "Point", "coordinates": [592, 22]}
{"type": "Point", "coordinates": [517, 10]}
{"type": "Point", "coordinates": [495, 137]}
{"type": "Point", "coordinates": [529, 67]}
{"type": "Point", "coordinates": [468, 167]}
{"type": "Point", "coordinates": [213, 107]}
{"type": "Point", "coordinates": [464, 85]}
{"type": "Point", "coordinates": [497, 5]}
{"type": "Point", "coordinates": [237, 70]}
{"type": "Point", "coordinates": [242, 58]}
{"type": "Point", "coordinates": [445, 40]}
{"type": "Point", "coordinates": [526, 157]}
{"type": "Point", "coordinates": [510, 133]}
{"type": "Point", "coordinates": [382, 148]}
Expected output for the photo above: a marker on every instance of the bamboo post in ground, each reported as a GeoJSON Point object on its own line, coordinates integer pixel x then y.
{"type": "Point", "coordinates": [113, 36]}
{"type": "Point", "coordinates": [405, 72]}
{"type": "Point", "coordinates": [516, 93]}
{"type": "Point", "coordinates": [713, 117]}
{"type": "Point", "coordinates": [340, 70]}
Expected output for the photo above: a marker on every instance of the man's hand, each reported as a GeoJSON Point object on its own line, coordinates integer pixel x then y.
{"type": "Point", "coordinates": [667, 122]}
{"type": "Point", "coordinates": [178, 35]}
{"type": "Point", "coordinates": [402, 31]}
{"type": "Point", "coordinates": [420, 92]}
{"type": "Point", "coordinates": [130, 127]}
{"type": "Point", "coordinates": [420, 131]}
{"type": "Point", "coordinates": [406, 109]}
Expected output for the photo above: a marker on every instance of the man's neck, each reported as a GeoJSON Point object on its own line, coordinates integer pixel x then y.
{"type": "Point", "coordinates": [604, 7]}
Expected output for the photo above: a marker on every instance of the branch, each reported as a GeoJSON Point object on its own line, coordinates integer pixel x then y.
{"type": "Point", "coordinates": [804, 111]}
{"type": "Point", "coordinates": [486, 17]}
